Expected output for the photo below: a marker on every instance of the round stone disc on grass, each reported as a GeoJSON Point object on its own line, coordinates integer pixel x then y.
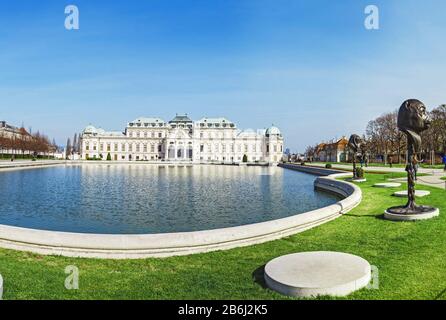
{"type": "Point", "coordinates": [312, 274]}
{"type": "Point", "coordinates": [387, 185]}
{"type": "Point", "coordinates": [357, 180]}
{"type": "Point", "coordinates": [418, 193]}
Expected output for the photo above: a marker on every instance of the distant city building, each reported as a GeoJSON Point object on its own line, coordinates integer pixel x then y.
{"type": "Point", "coordinates": [10, 131]}
{"type": "Point", "coordinates": [295, 157]}
{"type": "Point", "coordinates": [10, 137]}
{"type": "Point", "coordinates": [208, 140]}
{"type": "Point", "coordinates": [333, 151]}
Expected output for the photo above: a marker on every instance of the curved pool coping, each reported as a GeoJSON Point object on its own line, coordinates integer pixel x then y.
{"type": "Point", "coordinates": [137, 246]}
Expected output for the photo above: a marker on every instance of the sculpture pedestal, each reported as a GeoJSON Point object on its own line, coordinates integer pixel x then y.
{"type": "Point", "coordinates": [312, 274]}
{"type": "Point", "coordinates": [404, 214]}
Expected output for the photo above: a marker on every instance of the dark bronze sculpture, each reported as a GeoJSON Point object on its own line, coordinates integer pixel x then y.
{"type": "Point", "coordinates": [412, 121]}
{"type": "Point", "coordinates": [355, 143]}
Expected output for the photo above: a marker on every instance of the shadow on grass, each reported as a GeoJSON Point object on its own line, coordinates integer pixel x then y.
{"type": "Point", "coordinates": [380, 217]}
{"type": "Point", "coordinates": [259, 276]}
{"type": "Point", "coordinates": [440, 295]}
{"type": "Point", "coordinates": [377, 216]}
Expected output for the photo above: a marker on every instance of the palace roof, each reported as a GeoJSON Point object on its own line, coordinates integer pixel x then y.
{"type": "Point", "coordinates": [215, 122]}
{"type": "Point", "coordinates": [181, 119]}
{"type": "Point", "coordinates": [147, 122]}
{"type": "Point", "coordinates": [273, 131]}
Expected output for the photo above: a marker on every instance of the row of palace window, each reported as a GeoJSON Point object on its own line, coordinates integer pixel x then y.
{"type": "Point", "coordinates": [275, 149]}
{"type": "Point", "coordinates": [220, 135]}
{"type": "Point", "coordinates": [203, 135]}
{"type": "Point", "coordinates": [139, 124]}
{"type": "Point", "coordinates": [217, 125]}
{"type": "Point", "coordinates": [124, 147]}
{"type": "Point", "coordinates": [159, 148]}
{"type": "Point", "coordinates": [239, 158]}
{"type": "Point", "coordinates": [231, 148]}
{"type": "Point", "coordinates": [123, 157]}
{"type": "Point", "coordinates": [138, 157]}
{"type": "Point", "coordinates": [145, 134]}
{"type": "Point", "coordinates": [202, 124]}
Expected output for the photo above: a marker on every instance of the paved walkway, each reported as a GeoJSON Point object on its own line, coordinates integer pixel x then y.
{"type": "Point", "coordinates": [432, 178]}
{"type": "Point", "coordinates": [4, 164]}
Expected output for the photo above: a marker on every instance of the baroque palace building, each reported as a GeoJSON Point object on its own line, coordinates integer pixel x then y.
{"type": "Point", "coordinates": [208, 140]}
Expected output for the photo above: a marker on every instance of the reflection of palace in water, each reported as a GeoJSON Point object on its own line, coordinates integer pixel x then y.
{"type": "Point", "coordinates": [207, 140]}
{"type": "Point", "coordinates": [186, 181]}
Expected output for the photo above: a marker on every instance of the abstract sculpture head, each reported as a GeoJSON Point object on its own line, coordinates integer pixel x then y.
{"type": "Point", "coordinates": [355, 142]}
{"type": "Point", "coordinates": [413, 120]}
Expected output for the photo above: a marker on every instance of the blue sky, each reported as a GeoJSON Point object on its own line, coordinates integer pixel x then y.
{"type": "Point", "coordinates": [309, 67]}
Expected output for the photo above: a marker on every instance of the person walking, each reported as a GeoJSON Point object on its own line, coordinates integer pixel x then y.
{"type": "Point", "coordinates": [390, 161]}
{"type": "Point", "coordinates": [444, 161]}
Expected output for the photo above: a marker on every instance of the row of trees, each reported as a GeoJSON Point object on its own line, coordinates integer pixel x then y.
{"type": "Point", "coordinates": [384, 140]}
{"type": "Point", "coordinates": [24, 143]}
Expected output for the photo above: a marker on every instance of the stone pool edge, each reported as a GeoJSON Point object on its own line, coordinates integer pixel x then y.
{"type": "Point", "coordinates": [138, 246]}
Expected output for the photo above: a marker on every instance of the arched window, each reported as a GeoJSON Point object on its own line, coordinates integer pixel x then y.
{"type": "Point", "coordinates": [189, 151]}
{"type": "Point", "coordinates": [171, 152]}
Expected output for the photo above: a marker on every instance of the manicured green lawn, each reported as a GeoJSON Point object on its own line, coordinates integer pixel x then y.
{"type": "Point", "coordinates": [411, 259]}
{"type": "Point", "coordinates": [380, 164]}
{"type": "Point", "coordinates": [371, 164]}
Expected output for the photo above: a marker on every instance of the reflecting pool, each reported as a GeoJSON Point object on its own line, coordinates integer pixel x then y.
{"type": "Point", "coordinates": [135, 199]}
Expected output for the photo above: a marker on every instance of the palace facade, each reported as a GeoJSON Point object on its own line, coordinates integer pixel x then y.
{"type": "Point", "coordinates": [208, 140]}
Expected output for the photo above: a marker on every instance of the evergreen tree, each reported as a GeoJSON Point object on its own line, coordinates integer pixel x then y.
{"type": "Point", "coordinates": [75, 143]}
{"type": "Point", "coordinates": [68, 149]}
{"type": "Point", "coordinates": [78, 147]}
